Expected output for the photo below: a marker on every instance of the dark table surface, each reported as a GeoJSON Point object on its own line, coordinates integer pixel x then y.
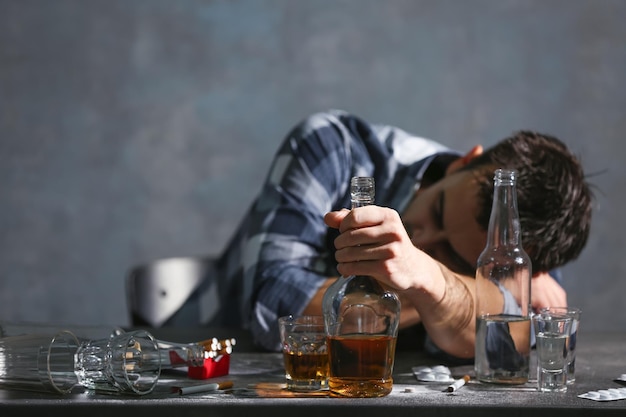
{"type": "Point", "coordinates": [601, 358]}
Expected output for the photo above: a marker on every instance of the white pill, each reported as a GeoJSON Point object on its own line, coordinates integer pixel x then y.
{"type": "Point", "coordinates": [442, 377]}
{"type": "Point", "coordinates": [605, 395]}
{"type": "Point", "coordinates": [441, 369]}
{"type": "Point", "coordinates": [426, 376]}
{"type": "Point", "coordinates": [593, 395]}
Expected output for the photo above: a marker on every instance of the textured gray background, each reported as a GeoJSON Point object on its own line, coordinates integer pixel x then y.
{"type": "Point", "coordinates": [132, 130]}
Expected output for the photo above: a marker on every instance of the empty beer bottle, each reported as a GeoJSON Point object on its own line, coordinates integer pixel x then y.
{"type": "Point", "coordinates": [503, 275]}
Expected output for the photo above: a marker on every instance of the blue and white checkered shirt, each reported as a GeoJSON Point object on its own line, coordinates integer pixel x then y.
{"type": "Point", "coordinates": [283, 251]}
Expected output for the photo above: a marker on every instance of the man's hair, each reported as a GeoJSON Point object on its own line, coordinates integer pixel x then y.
{"type": "Point", "coordinates": [553, 197]}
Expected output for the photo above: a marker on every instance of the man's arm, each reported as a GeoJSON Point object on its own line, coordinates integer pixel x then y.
{"type": "Point", "coordinates": [373, 242]}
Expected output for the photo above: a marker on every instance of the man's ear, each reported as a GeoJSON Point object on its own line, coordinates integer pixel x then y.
{"type": "Point", "coordinates": [464, 160]}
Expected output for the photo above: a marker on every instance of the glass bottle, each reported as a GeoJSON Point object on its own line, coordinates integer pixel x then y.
{"type": "Point", "coordinates": [503, 276]}
{"type": "Point", "coordinates": [361, 320]}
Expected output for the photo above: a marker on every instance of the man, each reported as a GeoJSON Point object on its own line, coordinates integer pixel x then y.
{"type": "Point", "coordinates": [422, 237]}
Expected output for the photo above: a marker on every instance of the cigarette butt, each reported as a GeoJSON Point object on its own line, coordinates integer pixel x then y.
{"type": "Point", "coordinates": [458, 383]}
{"type": "Point", "coordinates": [203, 388]}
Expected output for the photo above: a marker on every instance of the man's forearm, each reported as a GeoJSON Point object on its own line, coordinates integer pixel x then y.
{"type": "Point", "coordinates": [314, 308]}
{"type": "Point", "coordinates": [450, 319]}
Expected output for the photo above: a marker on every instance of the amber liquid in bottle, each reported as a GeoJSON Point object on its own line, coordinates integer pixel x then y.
{"type": "Point", "coordinates": [361, 366]}
{"type": "Point", "coordinates": [361, 320]}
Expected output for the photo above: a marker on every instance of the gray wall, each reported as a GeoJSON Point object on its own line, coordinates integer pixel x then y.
{"type": "Point", "coordinates": [132, 130]}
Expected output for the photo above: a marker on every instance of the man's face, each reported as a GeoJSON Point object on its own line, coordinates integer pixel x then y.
{"type": "Point", "coordinates": [441, 221]}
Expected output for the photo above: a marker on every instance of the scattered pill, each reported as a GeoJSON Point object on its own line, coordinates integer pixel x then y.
{"type": "Point", "coordinates": [442, 377]}
{"type": "Point", "coordinates": [426, 376]}
{"type": "Point", "coordinates": [440, 369]}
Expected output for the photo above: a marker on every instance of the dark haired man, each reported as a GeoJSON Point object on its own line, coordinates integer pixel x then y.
{"type": "Point", "coordinates": [422, 237]}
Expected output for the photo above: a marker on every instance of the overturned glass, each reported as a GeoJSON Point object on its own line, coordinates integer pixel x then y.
{"type": "Point", "coordinates": [129, 363]}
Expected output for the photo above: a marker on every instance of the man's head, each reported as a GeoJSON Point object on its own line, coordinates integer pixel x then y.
{"type": "Point", "coordinates": [553, 197]}
{"type": "Point", "coordinates": [449, 219]}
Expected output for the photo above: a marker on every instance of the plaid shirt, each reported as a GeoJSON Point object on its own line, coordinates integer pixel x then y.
{"type": "Point", "coordinates": [283, 251]}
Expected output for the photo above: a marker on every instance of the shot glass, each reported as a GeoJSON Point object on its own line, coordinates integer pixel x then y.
{"type": "Point", "coordinates": [574, 314]}
{"type": "Point", "coordinates": [552, 331]}
{"type": "Point", "coordinates": [129, 363]}
{"type": "Point", "coordinates": [304, 351]}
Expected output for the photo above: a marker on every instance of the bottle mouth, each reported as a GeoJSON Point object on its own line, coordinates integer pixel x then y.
{"type": "Point", "coordinates": [504, 176]}
{"type": "Point", "coordinates": [361, 187]}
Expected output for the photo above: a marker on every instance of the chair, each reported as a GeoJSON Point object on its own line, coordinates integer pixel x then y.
{"type": "Point", "coordinates": [179, 291]}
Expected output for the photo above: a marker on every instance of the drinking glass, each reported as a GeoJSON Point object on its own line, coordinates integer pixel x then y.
{"type": "Point", "coordinates": [574, 313]}
{"type": "Point", "coordinates": [39, 362]}
{"type": "Point", "coordinates": [127, 363]}
{"type": "Point", "coordinates": [552, 331]}
{"type": "Point", "coordinates": [304, 352]}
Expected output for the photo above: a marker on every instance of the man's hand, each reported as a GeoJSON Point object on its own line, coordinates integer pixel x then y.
{"type": "Point", "coordinates": [546, 292]}
{"type": "Point", "coordinates": [374, 242]}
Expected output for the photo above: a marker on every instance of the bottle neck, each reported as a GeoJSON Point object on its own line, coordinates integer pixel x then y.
{"type": "Point", "coordinates": [504, 224]}
{"type": "Point", "coordinates": [361, 203]}
{"type": "Point", "coordinates": [175, 355]}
